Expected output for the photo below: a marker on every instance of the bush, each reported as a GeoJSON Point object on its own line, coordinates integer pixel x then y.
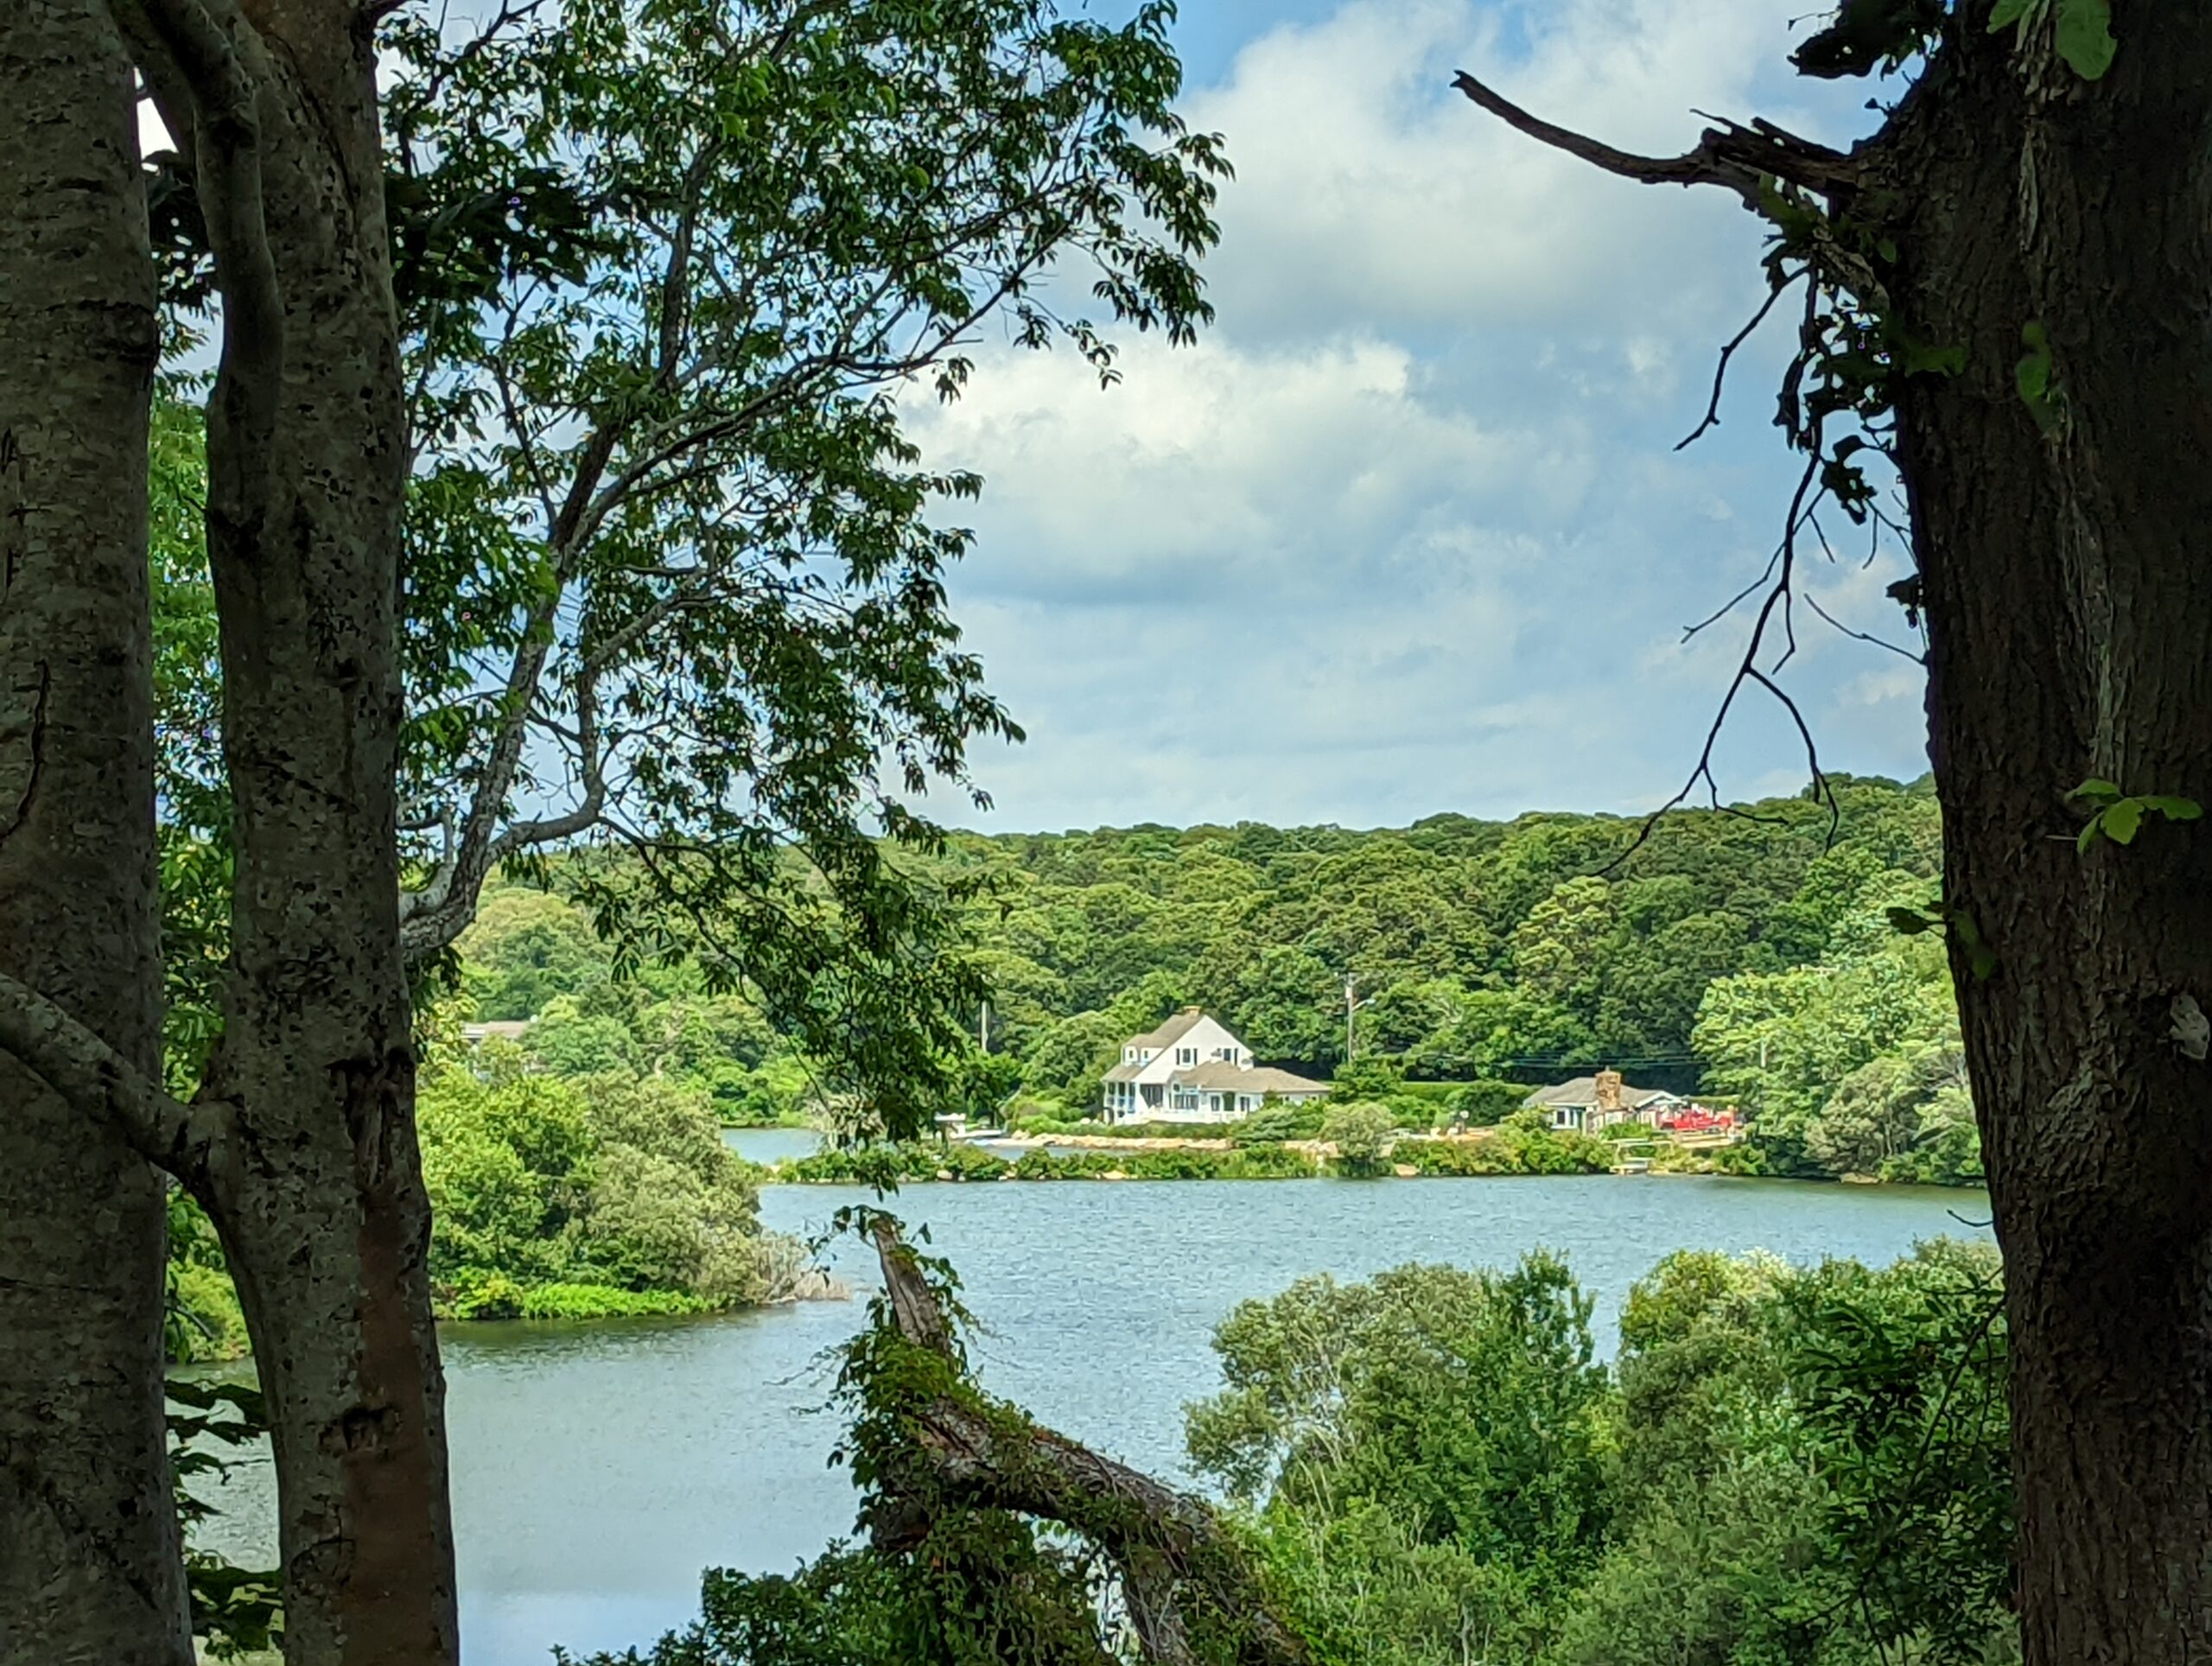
{"type": "Point", "coordinates": [1361, 1133]}
{"type": "Point", "coordinates": [1485, 1104]}
{"type": "Point", "coordinates": [1362, 1079]}
{"type": "Point", "coordinates": [602, 1301]}
{"type": "Point", "coordinates": [1273, 1124]}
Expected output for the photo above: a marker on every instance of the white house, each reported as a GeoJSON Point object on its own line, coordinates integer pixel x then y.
{"type": "Point", "coordinates": [1591, 1102]}
{"type": "Point", "coordinates": [1192, 1070]}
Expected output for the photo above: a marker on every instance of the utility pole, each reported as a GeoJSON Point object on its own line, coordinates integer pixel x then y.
{"type": "Point", "coordinates": [983, 1028]}
{"type": "Point", "coordinates": [1352, 1004]}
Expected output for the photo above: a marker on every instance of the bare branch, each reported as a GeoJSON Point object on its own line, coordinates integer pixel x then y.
{"type": "Point", "coordinates": [100, 1082]}
{"type": "Point", "coordinates": [1783, 568]}
{"type": "Point", "coordinates": [1712, 418]}
{"type": "Point", "coordinates": [1738, 159]}
{"type": "Point", "coordinates": [1813, 602]}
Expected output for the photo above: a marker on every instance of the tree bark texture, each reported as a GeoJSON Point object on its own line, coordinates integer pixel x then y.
{"type": "Point", "coordinates": [316, 1184]}
{"type": "Point", "coordinates": [90, 1568]}
{"type": "Point", "coordinates": [2068, 596]}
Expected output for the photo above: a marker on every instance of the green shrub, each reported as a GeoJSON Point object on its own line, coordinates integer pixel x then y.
{"type": "Point", "coordinates": [1485, 1104]}
{"type": "Point", "coordinates": [602, 1301]}
{"type": "Point", "coordinates": [1273, 1124]}
{"type": "Point", "coordinates": [1361, 1133]}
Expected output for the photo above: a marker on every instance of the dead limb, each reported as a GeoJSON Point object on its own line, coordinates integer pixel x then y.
{"type": "Point", "coordinates": [1180, 1571]}
{"type": "Point", "coordinates": [1738, 158]}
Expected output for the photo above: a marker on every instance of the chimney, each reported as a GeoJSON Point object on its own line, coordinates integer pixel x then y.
{"type": "Point", "coordinates": [1609, 1091]}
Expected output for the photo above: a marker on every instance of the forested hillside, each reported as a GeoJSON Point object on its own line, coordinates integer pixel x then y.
{"type": "Point", "coordinates": [1482, 947]}
{"type": "Point", "coordinates": [1744, 953]}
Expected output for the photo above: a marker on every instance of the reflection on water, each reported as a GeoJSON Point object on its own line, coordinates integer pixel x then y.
{"type": "Point", "coordinates": [597, 1469]}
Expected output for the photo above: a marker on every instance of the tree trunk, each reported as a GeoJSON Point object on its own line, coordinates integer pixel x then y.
{"type": "Point", "coordinates": [316, 1187]}
{"type": "Point", "coordinates": [90, 1568]}
{"type": "Point", "coordinates": [2068, 599]}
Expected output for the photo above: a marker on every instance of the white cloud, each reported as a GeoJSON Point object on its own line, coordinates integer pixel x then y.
{"type": "Point", "coordinates": [1406, 532]}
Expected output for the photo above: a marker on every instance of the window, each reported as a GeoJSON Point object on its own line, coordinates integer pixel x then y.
{"type": "Point", "coordinates": [1227, 1053]}
{"type": "Point", "coordinates": [1186, 1055]}
{"type": "Point", "coordinates": [1129, 1055]}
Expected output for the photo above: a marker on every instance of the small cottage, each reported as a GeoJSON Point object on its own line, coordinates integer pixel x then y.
{"type": "Point", "coordinates": [1591, 1104]}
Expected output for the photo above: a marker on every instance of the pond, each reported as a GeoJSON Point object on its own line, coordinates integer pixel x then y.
{"type": "Point", "coordinates": [598, 1469]}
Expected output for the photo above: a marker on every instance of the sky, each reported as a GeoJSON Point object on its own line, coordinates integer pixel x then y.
{"type": "Point", "coordinates": [1407, 532]}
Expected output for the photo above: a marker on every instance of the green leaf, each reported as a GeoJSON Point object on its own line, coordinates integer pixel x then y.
{"type": "Point", "coordinates": [2088, 835]}
{"type": "Point", "coordinates": [2175, 809]}
{"type": "Point", "coordinates": [2095, 791]}
{"type": "Point", "coordinates": [2122, 820]}
{"type": "Point", "coordinates": [2085, 38]}
{"type": "Point", "coordinates": [1911, 921]}
{"type": "Point", "coordinates": [2006, 11]}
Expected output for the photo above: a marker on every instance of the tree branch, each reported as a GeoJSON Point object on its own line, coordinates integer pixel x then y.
{"type": "Point", "coordinates": [100, 1082]}
{"type": "Point", "coordinates": [1169, 1547]}
{"type": "Point", "coordinates": [1738, 159]}
{"type": "Point", "coordinates": [201, 47]}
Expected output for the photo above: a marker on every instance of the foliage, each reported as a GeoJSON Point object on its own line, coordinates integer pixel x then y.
{"type": "Point", "coordinates": [235, 1611]}
{"type": "Point", "coordinates": [1782, 1466]}
{"type": "Point", "coordinates": [1361, 1134]}
{"type": "Point", "coordinates": [1512, 1150]}
{"type": "Point", "coordinates": [886, 1166]}
{"type": "Point", "coordinates": [1852, 1064]}
{"type": "Point", "coordinates": [1484, 950]}
{"type": "Point", "coordinates": [676, 573]}
{"type": "Point", "coordinates": [608, 1196]}
{"type": "Point", "coordinates": [1275, 1122]}
{"type": "Point", "coordinates": [2119, 817]}
{"type": "Point", "coordinates": [1385, 1394]}
{"type": "Point", "coordinates": [1718, 942]}
{"type": "Point", "coordinates": [1485, 1104]}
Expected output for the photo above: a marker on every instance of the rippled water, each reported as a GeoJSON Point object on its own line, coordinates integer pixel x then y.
{"type": "Point", "coordinates": [597, 1469]}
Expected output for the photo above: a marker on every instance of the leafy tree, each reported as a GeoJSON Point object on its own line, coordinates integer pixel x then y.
{"type": "Point", "coordinates": [710, 565]}
{"type": "Point", "coordinates": [524, 949]}
{"type": "Point", "coordinates": [1387, 1393]}
{"type": "Point", "coordinates": [1838, 1060]}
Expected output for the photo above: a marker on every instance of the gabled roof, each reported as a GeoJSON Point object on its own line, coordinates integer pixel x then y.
{"type": "Point", "coordinates": [1124, 1072]}
{"type": "Point", "coordinates": [1219, 1076]}
{"type": "Point", "coordinates": [1170, 1032]}
{"type": "Point", "coordinates": [1583, 1092]}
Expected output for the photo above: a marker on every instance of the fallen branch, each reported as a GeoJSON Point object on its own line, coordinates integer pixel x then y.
{"type": "Point", "coordinates": [1181, 1573]}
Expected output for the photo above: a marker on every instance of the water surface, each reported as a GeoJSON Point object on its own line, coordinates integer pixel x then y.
{"type": "Point", "coordinates": [597, 1469]}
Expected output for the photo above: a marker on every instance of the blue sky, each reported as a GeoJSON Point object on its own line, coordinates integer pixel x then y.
{"type": "Point", "coordinates": [1407, 532]}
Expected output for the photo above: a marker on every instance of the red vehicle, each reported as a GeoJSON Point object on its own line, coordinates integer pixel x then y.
{"type": "Point", "coordinates": [1696, 1119]}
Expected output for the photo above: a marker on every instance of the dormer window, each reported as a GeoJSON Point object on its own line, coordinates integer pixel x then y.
{"type": "Point", "coordinates": [1129, 1055]}
{"type": "Point", "coordinates": [1186, 1055]}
